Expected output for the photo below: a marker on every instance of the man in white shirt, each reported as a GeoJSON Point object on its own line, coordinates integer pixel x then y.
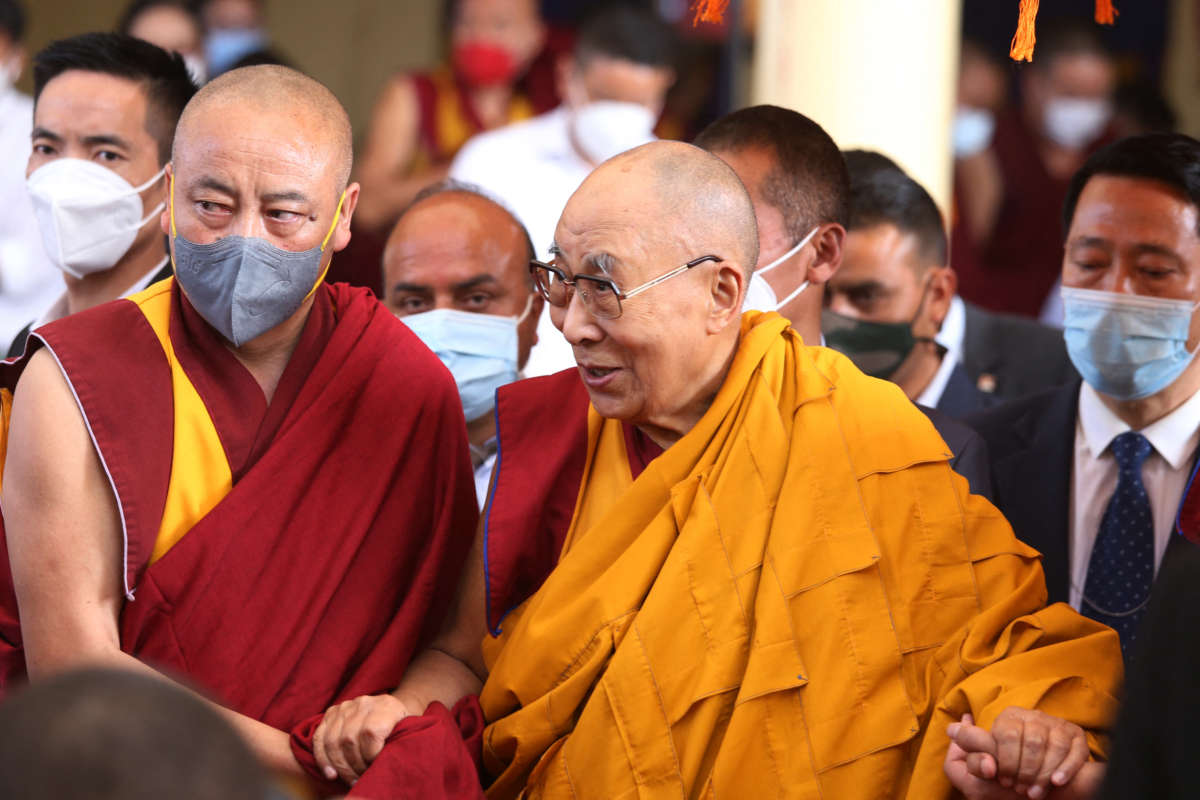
{"type": "Point", "coordinates": [1093, 474]}
{"type": "Point", "coordinates": [456, 271]}
{"type": "Point", "coordinates": [613, 86]}
{"type": "Point", "coordinates": [105, 111]}
{"type": "Point", "coordinates": [28, 281]}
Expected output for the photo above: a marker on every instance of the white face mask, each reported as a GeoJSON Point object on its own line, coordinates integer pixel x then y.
{"type": "Point", "coordinates": [604, 128]}
{"type": "Point", "coordinates": [759, 294]}
{"type": "Point", "coordinates": [9, 72]}
{"type": "Point", "coordinates": [196, 68]}
{"type": "Point", "coordinates": [1075, 121]}
{"type": "Point", "coordinates": [89, 216]}
{"type": "Point", "coordinates": [972, 132]}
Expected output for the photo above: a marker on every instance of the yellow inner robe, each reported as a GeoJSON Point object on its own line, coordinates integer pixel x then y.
{"type": "Point", "coordinates": [794, 600]}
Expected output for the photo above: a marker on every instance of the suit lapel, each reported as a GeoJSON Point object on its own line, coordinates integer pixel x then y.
{"type": "Point", "coordinates": [1034, 483]}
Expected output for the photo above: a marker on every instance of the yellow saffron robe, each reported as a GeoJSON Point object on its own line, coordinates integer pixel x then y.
{"type": "Point", "coordinates": [793, 600]}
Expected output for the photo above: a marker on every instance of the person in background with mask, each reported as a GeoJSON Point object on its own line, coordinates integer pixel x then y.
{"type": "Point", "coordinates": [456, 271]}
{"type": "Point", "coordinates": [1092, 475]}
{"type": "Point", "coordinates": [1064, 114]}
{"type": "Point", "coordinates": [235, 31]}
{"type": "Point", "coordinates": [422, 119]}
{"type": "Point", "coordinates": [104, 121]}
{"type": "Point", "coordinates": [276, 466]}
{"type": "Point", "coordinates": [29, 281]}
{"type": "Point", "coordinates": [797, 180]}
{"type": "Point", "coordinates": [613, 86]}
{"type": "Point", "coordinates": [173, 25]}
{"type": "Point", "coordinates": [893, 309]}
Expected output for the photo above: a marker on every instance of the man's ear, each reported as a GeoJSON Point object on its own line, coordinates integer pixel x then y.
{"type": "Point", "coordinates": [341, 234]}
{"type": "Point", "coordinates": [828, 242]}
{"type": "Point", "coordinates": [728, 290]}
{"type": "Point", "coordinates": [943, 285]}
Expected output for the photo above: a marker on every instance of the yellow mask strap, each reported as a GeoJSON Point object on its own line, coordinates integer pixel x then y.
{"type": "Point", "coordinates": [336, 216]}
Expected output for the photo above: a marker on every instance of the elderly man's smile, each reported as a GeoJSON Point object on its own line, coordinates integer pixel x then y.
{"type": "Point", "coordinates": [596, 376]}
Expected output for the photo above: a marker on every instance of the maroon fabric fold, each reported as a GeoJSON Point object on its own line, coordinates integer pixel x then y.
{"type": "Point", "coordinates": [436, 756]}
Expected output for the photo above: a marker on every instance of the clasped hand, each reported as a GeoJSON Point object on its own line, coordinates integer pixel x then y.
{"type": "Point", "coordinates": [1025, 754]}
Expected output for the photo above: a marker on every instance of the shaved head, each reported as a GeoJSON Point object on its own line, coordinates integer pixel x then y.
{"type": "Point", "coordinates": [704, 206]}
{"type": "Point", "coordinates": [300, 103]}
{"type": "Point", "coordinates": [673, 229]}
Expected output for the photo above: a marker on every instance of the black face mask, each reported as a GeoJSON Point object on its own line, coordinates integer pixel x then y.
{"type": "Point", "coordinates": [877, 348]}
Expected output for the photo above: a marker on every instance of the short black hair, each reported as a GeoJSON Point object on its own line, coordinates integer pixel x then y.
{"type": "Point", "coordinates": [136, 8]}
{"type": "Point", "coordinates": [882, 193]}
{"type": "Point", "coordinates": [163, 75]}
{"type": "Point", "coordinates": [627, 33]}
{"type": "Point", "coordinates": [1067, 36]}
{"type": "Point", "coordinates": [1172, 159]}
{"type": "Point", "coordinates": [809, 184]}
{"type": "Point", "coordinates": [12, 20]}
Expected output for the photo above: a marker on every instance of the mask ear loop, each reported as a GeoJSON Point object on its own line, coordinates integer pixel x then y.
{"type": "Point", "coordinates": [336, 216]}
{"type": "Point", "coordinates": [528, 305]}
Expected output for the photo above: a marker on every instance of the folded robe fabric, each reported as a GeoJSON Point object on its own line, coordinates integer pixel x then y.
{"type": "Point", "coordinates": [794, 600]}
{"type": "Point", "coordinates": [435, 755]}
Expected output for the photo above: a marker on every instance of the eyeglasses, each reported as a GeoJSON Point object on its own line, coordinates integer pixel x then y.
{"type": "Point", "coordinates": [600, 295]}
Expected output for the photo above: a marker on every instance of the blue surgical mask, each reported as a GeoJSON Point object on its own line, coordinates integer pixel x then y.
{"type": "Point", "coordinates": [224, 47]}
{"type": "Point", "coordinates": [1127, 346]}
{"type": "Point", "coordinates": [480, 350]}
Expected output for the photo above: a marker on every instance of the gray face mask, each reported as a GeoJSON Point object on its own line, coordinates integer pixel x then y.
{"type": "Point", "coordinates": [244, 286]}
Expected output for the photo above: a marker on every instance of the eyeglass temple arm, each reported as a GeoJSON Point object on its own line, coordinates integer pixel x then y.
{"type": "Point", "coordinates": [669, 275]}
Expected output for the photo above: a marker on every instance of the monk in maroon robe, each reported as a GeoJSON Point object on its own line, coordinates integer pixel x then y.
{"type": "Point", "coordinates": [243, 477]}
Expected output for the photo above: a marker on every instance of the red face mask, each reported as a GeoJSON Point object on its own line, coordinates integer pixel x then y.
{"type": "Point", "coordinates": [481, 63]}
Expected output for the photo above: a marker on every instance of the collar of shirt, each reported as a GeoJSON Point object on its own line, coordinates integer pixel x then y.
{"type": "Point", "coordinates": [937, 387]}
{"type": "Point", "coordinates": [1174, 437]}
{"type": "Point", "coordinates": [59, 309]}
{"type": "Point", "coordinates": [954, 329]}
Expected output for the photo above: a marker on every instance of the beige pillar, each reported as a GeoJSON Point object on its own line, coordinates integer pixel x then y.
{"type": "Point", "coordinates": [877, 74]}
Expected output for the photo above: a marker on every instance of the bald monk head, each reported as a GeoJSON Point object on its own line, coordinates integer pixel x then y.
{"type": "Point", "coordinates": [457, 249]}
{"type": "Point", "coordinates": [261, 153]}
{"type": "Point", "coordinates": [637, 218]}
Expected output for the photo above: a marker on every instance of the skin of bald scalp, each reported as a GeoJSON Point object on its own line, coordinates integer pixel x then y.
{"type": "Point", "coordinates": [635, 218]}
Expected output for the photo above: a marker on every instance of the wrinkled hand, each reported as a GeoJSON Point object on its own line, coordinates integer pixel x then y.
{"type": "Point", "coordinates": [352, 734]}
{"type": "Point", "coordinates": [1026, 754]}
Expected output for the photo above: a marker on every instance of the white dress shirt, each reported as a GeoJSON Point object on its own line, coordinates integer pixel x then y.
{"type": "Point", "coordinates": [29, 282]}
{"type": "Point", "coordinates": [1094, 476]}
{"type": "Point", "coordinates": [937, 387]}
{"type": "Point", "coordinates": [533, 169]}
{"type": "Point", "coordinates": [954, 329]}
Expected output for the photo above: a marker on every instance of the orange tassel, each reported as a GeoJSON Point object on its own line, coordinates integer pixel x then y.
{"type": "Point", "coordinates": [1105, 13]}
{"type": "Point", "coordinates": [1024, 39]}
{"type": "Point", "coordinates": [709, 11]}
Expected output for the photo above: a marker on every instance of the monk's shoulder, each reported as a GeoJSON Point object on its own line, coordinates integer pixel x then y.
{"type": "Point", "coordinates": [882, 428]}
{"type": "Point", "coordinates": [402, 362]}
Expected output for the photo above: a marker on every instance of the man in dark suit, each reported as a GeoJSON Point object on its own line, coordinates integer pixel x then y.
{"type": "Point", "coordinates": [798, 183]}
{"type": "Point", "coordinates": [893, 306]}
{"type": "Point", "coordinates": [1091, 474]}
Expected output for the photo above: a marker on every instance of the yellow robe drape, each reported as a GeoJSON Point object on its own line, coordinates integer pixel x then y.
{"type": "Point", "coordinates": [794, 600]}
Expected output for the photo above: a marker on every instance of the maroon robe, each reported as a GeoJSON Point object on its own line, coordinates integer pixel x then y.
{"type": "Point", "coordinates": [334, 557]}
{"type": "Point", "coordinates": [541, 435]}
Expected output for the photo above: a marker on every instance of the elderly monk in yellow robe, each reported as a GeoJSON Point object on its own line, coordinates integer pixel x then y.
{"type": "Point", "coordinates": [717, 562]}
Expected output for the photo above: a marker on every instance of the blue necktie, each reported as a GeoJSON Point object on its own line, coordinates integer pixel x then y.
{"type": "Point", "coordinates": [1121, 569]}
